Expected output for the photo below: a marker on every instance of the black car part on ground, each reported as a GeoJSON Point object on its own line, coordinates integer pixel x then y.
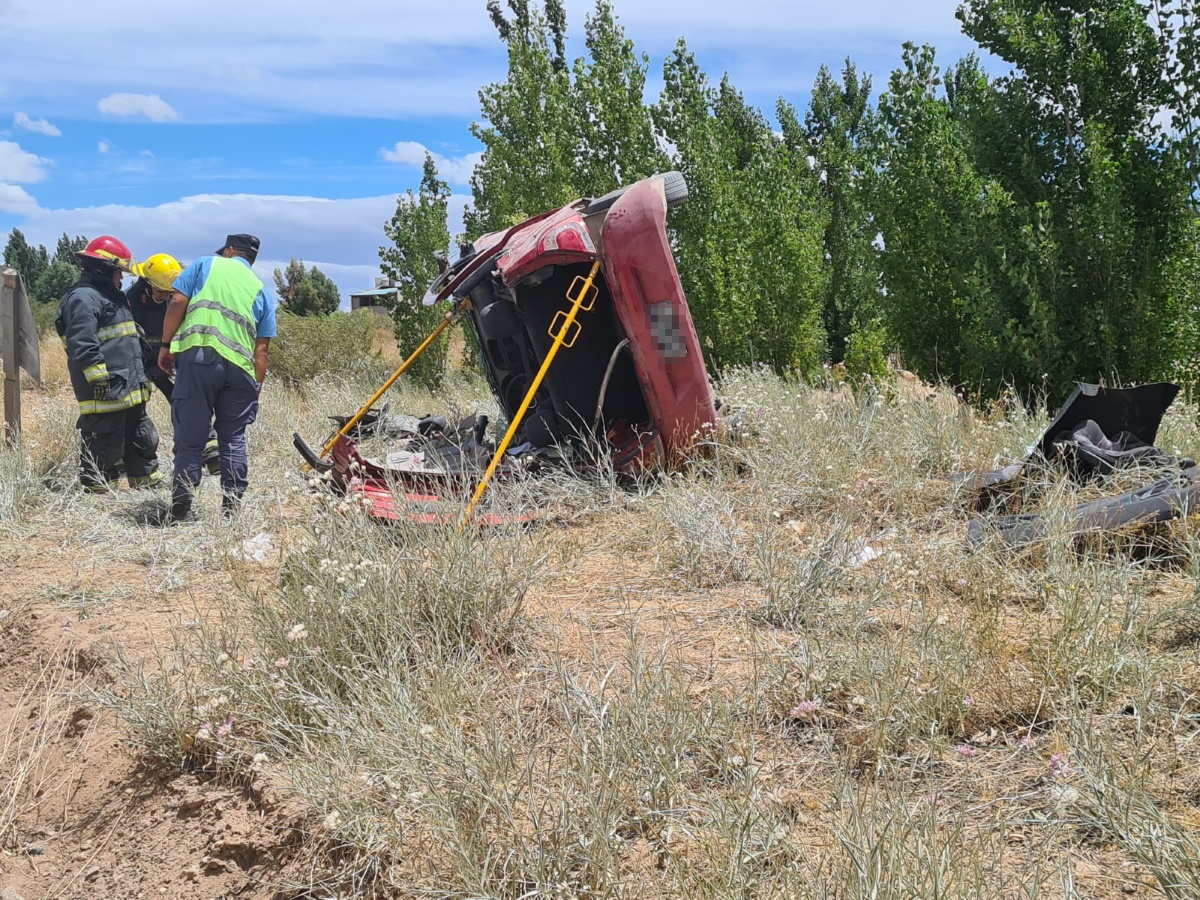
{"type": "Point", "coordinates": [1166, 499]}
{"type": "Point", "coordinates": [458, 448]}
{"type": "Point", "coordinates": [1137, 411]}
{"type": "Point", "coordinates": [1097, 431]}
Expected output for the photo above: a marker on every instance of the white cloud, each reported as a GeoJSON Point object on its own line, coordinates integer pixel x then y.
{"type": "Point", "coordinates": [149, 154]}
{"type": "Point", "coordinates": [340, 237]}
{"type": "Point", "coordinates": [20, 166]}
{"type": "Point", "coordinates": [16, 201]}
{"type": "Point", "coordinates": [151, 106]}
{"type": "Point", "coordinates": [455, 170]}
{"type": "Point", "coordinates": [39, 126]}
{"type": "Point", "coordinates": [329, 233]}
{"type": "Point", "coordinates": [420, 58]}
{"type": "Point", "coordinates": [103, 147]}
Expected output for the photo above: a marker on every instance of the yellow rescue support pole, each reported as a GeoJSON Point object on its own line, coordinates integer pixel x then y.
{"type": "Point", "coordinates": [345, 430]}
{"type": "Point", "coordinates": [582, 294]}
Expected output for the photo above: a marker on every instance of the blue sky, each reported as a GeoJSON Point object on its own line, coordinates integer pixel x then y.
{"type": "Point", "coordinates": [170, 124]}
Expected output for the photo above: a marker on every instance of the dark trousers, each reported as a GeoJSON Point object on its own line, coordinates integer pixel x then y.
{"type": "Point", "coordinates": [166, 386]}
{"type": "Point", "coordinates": [111, 441]}
{"type": "Point", "coordinates": [161, 379]}
{"type": "Point", "coordinates": [208, 387]}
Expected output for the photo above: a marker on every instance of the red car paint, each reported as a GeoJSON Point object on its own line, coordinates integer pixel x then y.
{"type": "Point", "coordinates": [648, 296]}
{"type": "Point", "coordinates": [659, 401]}
{"type": "Point", "coordinates": [631, 241]}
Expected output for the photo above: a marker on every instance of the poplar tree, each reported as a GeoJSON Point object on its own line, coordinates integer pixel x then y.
{"type": "Point", "coordinates": [418, 233]}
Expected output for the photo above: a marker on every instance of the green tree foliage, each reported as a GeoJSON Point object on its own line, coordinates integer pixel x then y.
{"type": "Point", "coordinates": [749, 238]}
{"type": "Point", "coordinates": [418, 233]}
{"type": "Point", "coordinates": [554, 132]}
{"type": "Point", "coordinates": [31, 262]}
{"type": "Point", "coordinates": [62, 272]}
{"type": "Point", "coordinates": [1177, 25]}
{"type": "Point", "coordinates": [937, 215]}
{"type": "Point", "coordinates": [529, 138]}
{"type": "Point", "coordinates": [839, 130]}
{"type": "Point", "coordinates": [310, 347]}
{"type": "Point", "coordinates": [614, 135]}
{"type": "Point", "coordinates": [1031, 224]}
{"type": "Point", "coordinates": [306, 292]}
{"type": "Point", "coordinates": [1082, 107]}
{"type": "Point", "coordinates": [68, 246]}
{"type": "Point", "coordinates": [46, 277]}
{"type": "Point", "coordinates": [56, 279]}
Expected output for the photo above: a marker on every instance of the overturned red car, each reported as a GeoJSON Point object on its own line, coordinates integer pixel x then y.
{"type": "Point", "coordinates": [629, 382]}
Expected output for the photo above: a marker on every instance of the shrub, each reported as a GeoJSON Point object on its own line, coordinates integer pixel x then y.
{"type": "Point", "coordinates": [413, 324]}
{"type": "Point", "coordinates": [866, 356]}
{"type": "Point", "coordinates": [43, 316]}
{"type": "Point", "coordinates": [311, 346]}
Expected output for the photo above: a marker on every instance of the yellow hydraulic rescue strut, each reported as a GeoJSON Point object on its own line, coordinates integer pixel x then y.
{"type": "Point", "coordinates": [565, 330]}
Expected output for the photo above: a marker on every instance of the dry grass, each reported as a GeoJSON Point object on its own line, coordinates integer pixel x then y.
{"type": "Point", "coordinates": [781, 673]}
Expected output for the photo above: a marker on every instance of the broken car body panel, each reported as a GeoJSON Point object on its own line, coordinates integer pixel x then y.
{"type": "Point", "coordinates": [1095, 433]}
{"type": "Point", "coordinates": [649, 300]}
{"type": "Point", "coordinates": [629, 383]}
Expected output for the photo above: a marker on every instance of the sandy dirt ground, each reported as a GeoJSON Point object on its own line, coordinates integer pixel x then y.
{"type": "Point", "coordinates": [87, 819]}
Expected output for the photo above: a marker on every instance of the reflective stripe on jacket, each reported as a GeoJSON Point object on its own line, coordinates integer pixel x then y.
{"type": "Point", "coordinates": [101, 340]}
{"type": "Point", "coordinates": [221, 314]}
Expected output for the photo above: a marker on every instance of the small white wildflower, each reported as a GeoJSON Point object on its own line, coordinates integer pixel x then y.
{"type": "Point", "coordinates": [297, 632]}
{"type": "Point", "coordinates": [333, 820]}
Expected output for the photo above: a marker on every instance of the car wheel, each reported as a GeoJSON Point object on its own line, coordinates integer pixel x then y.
{"type": "Point", "coordinates": [674, 187]}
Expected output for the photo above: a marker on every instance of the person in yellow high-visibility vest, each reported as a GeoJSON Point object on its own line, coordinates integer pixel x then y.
{"type": "Point", "coordinates": [216, 336]}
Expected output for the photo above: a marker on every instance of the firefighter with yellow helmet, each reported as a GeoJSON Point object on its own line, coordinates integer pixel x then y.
{"type": "Point", "coordinates": [148, 299]}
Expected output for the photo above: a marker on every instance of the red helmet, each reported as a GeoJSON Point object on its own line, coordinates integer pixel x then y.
{"type": "Point", "coordinates": [108, 251]}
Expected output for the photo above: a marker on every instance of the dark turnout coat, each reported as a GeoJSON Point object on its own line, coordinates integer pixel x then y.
{"type": "Point", "coordinates": [101, 339]}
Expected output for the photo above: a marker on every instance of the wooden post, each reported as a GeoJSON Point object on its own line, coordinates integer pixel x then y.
{"type": "Point", "coordinates": [18, 348]}
{"type": "Point", "coordinates": [11, 354]}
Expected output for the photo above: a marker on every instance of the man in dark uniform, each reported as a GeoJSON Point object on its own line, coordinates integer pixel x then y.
{"type": "Point", "coordinates": [104, 359]}
{"type": "Point", "coordinates": [148, 298]}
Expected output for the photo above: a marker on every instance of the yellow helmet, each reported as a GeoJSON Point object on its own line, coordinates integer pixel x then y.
{"type": "Point", "coordinates": [160, 270]}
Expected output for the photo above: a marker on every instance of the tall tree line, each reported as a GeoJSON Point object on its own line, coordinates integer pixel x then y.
{"type": "Point", "coordinates": [47, 275]}
{"type": "Point", "coordinates": [1029, 228]}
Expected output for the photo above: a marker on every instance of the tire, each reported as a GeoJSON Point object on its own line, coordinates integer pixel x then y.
{"type": "Point", "coordinates": [674, 187]}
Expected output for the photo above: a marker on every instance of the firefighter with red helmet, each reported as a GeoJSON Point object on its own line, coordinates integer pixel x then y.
{"type": "Point", "coordinates": [104, 359]}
